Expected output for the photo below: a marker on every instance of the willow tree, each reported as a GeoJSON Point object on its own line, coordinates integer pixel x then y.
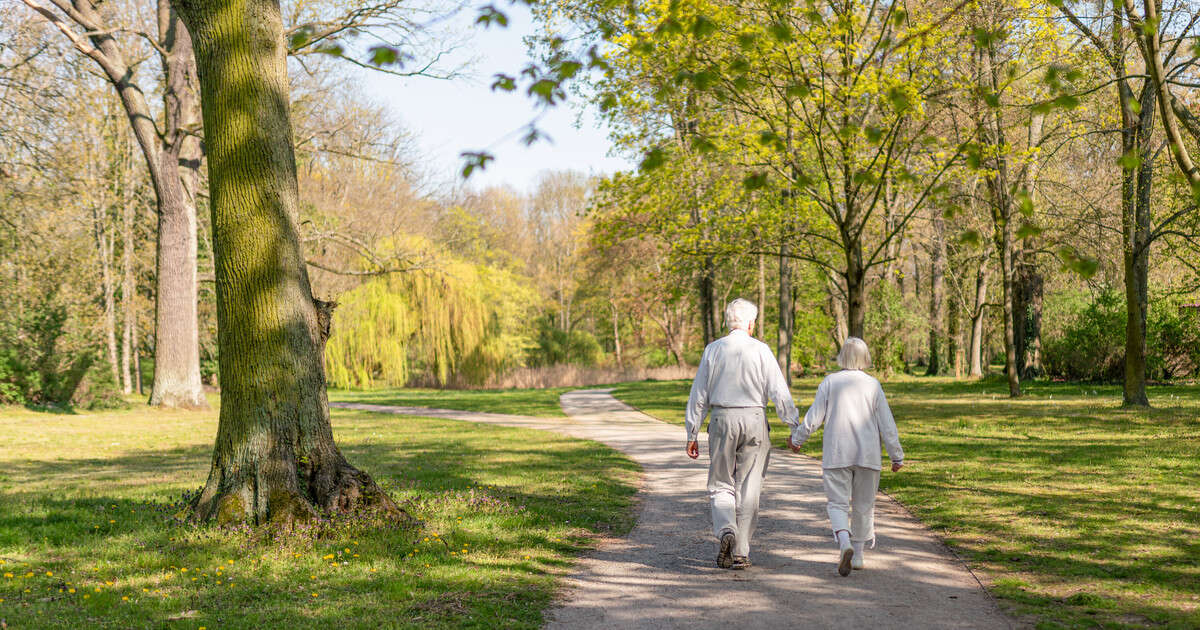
{"type": "Point", "coordinates": [275, 459]}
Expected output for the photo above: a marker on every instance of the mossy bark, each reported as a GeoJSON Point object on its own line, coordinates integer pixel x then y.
{"type": "Point", "coordinates": [275, 460]}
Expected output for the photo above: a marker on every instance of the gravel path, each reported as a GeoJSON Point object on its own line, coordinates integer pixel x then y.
{"type": "Point", "coordinates": [662, 575]}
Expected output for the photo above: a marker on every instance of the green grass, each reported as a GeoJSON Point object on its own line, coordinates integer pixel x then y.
{"type": "Point", "coordinates": [1076, 513]}
{"type": "Point", "coordinates": [85, 506]}
{"type": "Point", "coordinates": [521, 402]}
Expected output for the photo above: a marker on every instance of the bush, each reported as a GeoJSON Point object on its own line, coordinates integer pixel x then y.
{"type": "Point", "coordinates": [553, 346]}
{"type": "Point", "coordinates": [34, 369]}
{"type": "Point", "coordinates": [1086, 337]}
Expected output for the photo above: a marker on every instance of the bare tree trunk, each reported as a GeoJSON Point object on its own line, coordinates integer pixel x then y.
{"type": "Point", "coordinates": [760, 322]}
{"type": "Point", "coordinates": [786, 315]}
{"type": "Point", "coordinates": [977, 315]}
{"type": "Point", "coordinates": [275, 459]}
{"type": "Point", "coordinates": [954, 350]}
{"type": "Point", "coordinates": [616, 333]}
{"type": "Point", "coordinates": [104, 248]}
{"type": "Point", "coordinates": [937, 295]}
{"type": "Point", "coordinates": [128, 285]}
{"type": "Point", "coordinates": [708, 301]}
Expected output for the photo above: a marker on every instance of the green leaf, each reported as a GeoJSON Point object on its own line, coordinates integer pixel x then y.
{"type": "Point", "coordinates": [1024, 202]}
{"type": "Point", "coordinates": [746, 41]}
{"type": "Point", "coordinates": [653, 159]}
{"type": "Point", "coordinates": [384, 56]}
{"type": "Point", "coordinates": [490, 15]}
{"type": "Point", "coordinates": [504, 83]}
{"type": "Point", "coordinates": [797, 90]}
{"type": "Point", "coordinates": [1130, 161]}
{"type": "Point", "coordinates": [1085, 266]}
{"type": "Point", "coordinates": [475, 160]}
{"type": "Point", "coordinates": [703, 27]}
{"type": "Point", "coordinates": [1028, 230]}
{"type": "Point", "coordinates": [755, 181]}
{"type": "Point", "coordinates": [970, 237]}
{"type": "Point", "coordinates": [780, 32]}
{"type": "Point", "coordinates": [899, 99]}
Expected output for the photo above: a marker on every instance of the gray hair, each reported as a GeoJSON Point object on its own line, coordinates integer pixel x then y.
{"type": "Point", "coordinates": [740, 314]}
{"type": "Point", "coordinates": [854, 355]}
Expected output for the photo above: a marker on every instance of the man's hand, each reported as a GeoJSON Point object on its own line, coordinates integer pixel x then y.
{"type": "Point", "coordinates": [795, 447]}
{"type": "Point", "coordinates": [693, 449]}
{"type": "Point", "coordinates": [896, 466]}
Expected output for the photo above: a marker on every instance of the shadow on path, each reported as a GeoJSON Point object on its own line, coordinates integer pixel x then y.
{"type": "Point", "coordinates": [662, 575]}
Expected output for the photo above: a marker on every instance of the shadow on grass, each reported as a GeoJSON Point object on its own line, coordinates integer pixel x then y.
{"type": "Point", "coordinates": [505, 512]}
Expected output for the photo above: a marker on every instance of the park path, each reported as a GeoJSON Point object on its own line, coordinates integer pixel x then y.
{"type": "Point", "coordinates": [662, 575]}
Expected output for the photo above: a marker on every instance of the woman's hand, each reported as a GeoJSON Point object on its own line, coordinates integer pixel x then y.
{"type": "Point", "coordinates": [693, 449]}
{"type": "Point", "coordinates": [896, 466]}
{"type": "Point", "coordinates": [795, 447]}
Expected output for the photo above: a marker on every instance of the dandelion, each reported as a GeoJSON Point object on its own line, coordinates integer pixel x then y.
{"type": "Point", "coordinates": [110, 521]}
{"type": "Point", "coordinates": [312, 577]}
{"type": "Point", "coordinates": [347, 550]}
{"type": "Point", "coordinates": [86, 596]}
{"type": "Point", "coordinates": [49, 573]}
{"type": "Point", "coordinates": [8, 575]}
{"type": "Point", "coordinates": [97, 589]}
{"type": "Point", "coordinates": [315, 595]}
{"type": "Point", "coordinates": [70, 590]}
{"type": "Point", "coordinates": [184, 569]}
{"type": "Point", "coordinates": [327, 557]}
{"type": "Point", "coordinates": [124, 598]}
{"type": "Point", "coordinates": [526, 557]}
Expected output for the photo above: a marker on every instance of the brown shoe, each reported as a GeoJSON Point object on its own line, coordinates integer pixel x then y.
{"type": "Point", "coordinates": [741, 562]}
{"type": "Point", "coordinates": [725, 555]}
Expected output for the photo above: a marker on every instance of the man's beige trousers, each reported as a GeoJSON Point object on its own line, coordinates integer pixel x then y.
{"type": "Point", "coordinates": [738, 450]}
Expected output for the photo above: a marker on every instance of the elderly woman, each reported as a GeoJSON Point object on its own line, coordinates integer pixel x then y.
{"type": "Point", "coordinates": [851, 405]}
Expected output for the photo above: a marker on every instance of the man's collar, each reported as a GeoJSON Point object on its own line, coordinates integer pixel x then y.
{"type": "Point", "coordinates": [739, 330]}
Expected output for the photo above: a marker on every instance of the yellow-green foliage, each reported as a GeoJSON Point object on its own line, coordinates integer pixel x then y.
{"type": "Point", "coordinates": [462, 322]}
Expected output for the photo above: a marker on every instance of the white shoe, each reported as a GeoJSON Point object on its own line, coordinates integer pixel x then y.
{"type": "Point", "coordinates": [857, 561]}
{"type": "Point", "coordinates": [847, 556]}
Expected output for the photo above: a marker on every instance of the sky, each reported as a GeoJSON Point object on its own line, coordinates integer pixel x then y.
{"type": "Point", "coordinates": [464, 114]}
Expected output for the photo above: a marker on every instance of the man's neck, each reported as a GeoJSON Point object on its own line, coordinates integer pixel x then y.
{"type": "Point", "coordinates": [739, 330]}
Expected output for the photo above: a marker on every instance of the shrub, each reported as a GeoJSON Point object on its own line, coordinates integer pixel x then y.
{"type": "Point", "coordinates": [1085, 337]}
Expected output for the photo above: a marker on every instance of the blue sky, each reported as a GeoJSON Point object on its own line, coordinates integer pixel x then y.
{"type": "Point", "coordinates": [464, 114]}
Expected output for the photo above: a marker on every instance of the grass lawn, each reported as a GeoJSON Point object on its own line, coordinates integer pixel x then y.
{"type": "Point", "coordinates": [86, 538]}
{"type": "Point", "coordinates": [520, 402]}
{"type": "Point", "coordinates": [1077, 513]}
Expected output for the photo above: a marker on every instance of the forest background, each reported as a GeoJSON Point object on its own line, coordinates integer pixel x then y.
{"type": "Point", "coordinates": [974, 188]}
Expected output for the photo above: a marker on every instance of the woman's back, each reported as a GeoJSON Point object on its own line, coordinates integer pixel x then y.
{"type": "Point", "coordinates": [854, 410]}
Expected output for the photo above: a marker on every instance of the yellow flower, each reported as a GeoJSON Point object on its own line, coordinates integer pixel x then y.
{"type": "Point", "coordinates": [85, 596]}
{"type": "Point", "coordinates": [49, 573]}
{"type": "Point", "coordinates": [111, 521]}
{"type": "Point", "coordinates": [315, 595]}
{"type": "Point", "coordinates": [70, 590]}
{"type": "Point", "coordinates": [327, 556]}
{"type": "Point", "coordinates": [8, 575]}
{"type": "Point", "coordinates": [97, 589]}
{"type": "Point", "coordinates": [312, 577]}
{"type": "Point", "coordinates": [124, 598]}
{"type": "Point", "coordinates": [347, 550]}
{"type": "Point", "coordinates": [355, 555]}
{"type": "Point", "coordinates": [184, 569]}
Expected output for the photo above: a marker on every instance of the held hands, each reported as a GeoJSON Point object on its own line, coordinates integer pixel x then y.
{"type": "Point", "coordinates": [693, 449]}
{"type": "Point", "coordinates": [896, 466]}
{"type": "Point", "coordinates": [795, 447]}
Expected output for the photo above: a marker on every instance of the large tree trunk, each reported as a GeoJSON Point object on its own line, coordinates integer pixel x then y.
{"type": "Point", "coordinates": [954, 350]}
{"type": "Point", "coordinates": [981, 282]}
{"type": "Point", "coordinates": [177, 381]}
{"type": "Point", "coordinates": [616, 333]}
{"type": "Point", "coordinates": [856, 287]}
{"type": "Point", "coordinates": [1136, 183]}
{"type": "Point", "coordinates": [787, 320]}
{"type": "Point", "coordinates": [937, 296]}
{"type": "Point", "coordinates": [275, 459]}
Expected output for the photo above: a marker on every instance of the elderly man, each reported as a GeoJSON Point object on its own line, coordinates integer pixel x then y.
{"type": "Point", "coordinates": [737, 375]}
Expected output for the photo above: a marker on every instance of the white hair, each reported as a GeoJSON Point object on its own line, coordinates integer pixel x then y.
{"type": "Point", "coordinates": [854, 355]}
{"type": "Point", "coordinates": [740, 314]}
